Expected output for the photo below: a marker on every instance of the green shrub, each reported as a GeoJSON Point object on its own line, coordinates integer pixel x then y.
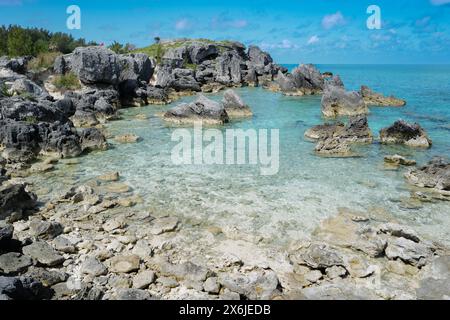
{"type": "Point", "coordinates": [31, 120]}
{"type": "Point", "coordinates": [67, 81]}
{"type": "Point", "coordinates": [4, 90]}
{"type": "Point", "coordinates": [44, 60]}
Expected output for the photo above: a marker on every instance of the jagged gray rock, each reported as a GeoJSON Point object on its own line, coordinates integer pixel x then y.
{"type": "Point", "coordinates": [435, 175]}
{"type": "Point", "coordinates": [336, 101]}
{"type": "Point", "coordinates": [372, 98]}
{"type": "Point", "coordinates": [202, 109]}
{"type": "Point", "coordinates": [402, 132]}
{"type": "Point", "coordinates": [234, 106]}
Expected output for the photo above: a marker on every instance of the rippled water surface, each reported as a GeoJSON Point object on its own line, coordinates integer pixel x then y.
{"type": "Point", "coordinates": [307, 188]}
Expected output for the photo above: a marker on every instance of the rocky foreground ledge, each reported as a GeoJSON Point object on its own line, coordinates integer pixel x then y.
{"type": "Point", "coordinates": [90, 243]}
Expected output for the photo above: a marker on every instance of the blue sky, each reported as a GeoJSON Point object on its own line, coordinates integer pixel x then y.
{"type": "Point", "coordinates": [319, 31]}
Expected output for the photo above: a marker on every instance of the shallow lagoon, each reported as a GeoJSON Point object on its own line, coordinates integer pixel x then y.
{"type": "Point", "coordinates": [307, 189]}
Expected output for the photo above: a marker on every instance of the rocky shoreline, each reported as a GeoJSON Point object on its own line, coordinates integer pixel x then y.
{"type": "Point", "coordinates": [90, 243]}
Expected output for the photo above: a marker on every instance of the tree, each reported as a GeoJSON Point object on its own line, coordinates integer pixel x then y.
{"type": "Point", "coordinates": [116, 47]}
{"type": "Point", "coordinates": [62, 42]}
{"type": "Point", "coordinates": [40, 46]}
{"type": "Point", "coordinates": [19, 42]}
{"type": "Point", "coordinates": [3, 41]}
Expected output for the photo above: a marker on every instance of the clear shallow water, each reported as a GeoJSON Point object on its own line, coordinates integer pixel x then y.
{"type": "Point", "coordinates": [307, 188]}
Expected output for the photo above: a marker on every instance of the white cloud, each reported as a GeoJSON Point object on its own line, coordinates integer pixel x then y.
{"type": "Point", "coordinates": [182, 24]}
{"type": "Point", "coordinates": [332, 20]}
{"type": "Point", "coordinates": [284, 44]}
{"type": "Point", "coordinates": [224, 21]}
{"type": "Point", "coordinates": [239, 23]}
{"type": "Point", "coordinates": [439, 2]}
{"type": "Point", "coordinates": [314, 39]}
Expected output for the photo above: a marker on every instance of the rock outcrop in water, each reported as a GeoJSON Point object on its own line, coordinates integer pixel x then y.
{"type": "Point", "coordinates": [202, 109]}
{"type": "Point", "coordinates": [335, 139]}
{"type": "Point", "coordinates": [209, 111]}
{"type": "Point", "coordinates": [372, 98]}
{"type": "Point", "coordinates": [234, 106]}
{"type": "Point", "coordinates": [305, 79]}
{"type": "Point", "coordinates": [434, 175]}
{"type": "Point", "coordinates": [402, 132]}
{"type": "Point", "coordinates": [336, 101]}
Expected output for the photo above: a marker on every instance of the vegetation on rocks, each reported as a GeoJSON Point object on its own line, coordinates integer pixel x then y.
{"type": "Point", "coordinates": [67, 81]}
{"type": "Point", "coordinates": [44, 60]}
{"type": "Point", "coordinates": [18, 41]}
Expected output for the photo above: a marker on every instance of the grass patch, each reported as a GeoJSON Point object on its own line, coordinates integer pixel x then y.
{"type": "Point", "coordinates": [4, 90]}
{"type": "Point", "coordinates": [66, 82]}
{"type": "Point", "coordinates": [157, 50]}
{"type": "Point", "coordinates": [44, 61]}
{"type": "Point", "coordinates": [31, 120]}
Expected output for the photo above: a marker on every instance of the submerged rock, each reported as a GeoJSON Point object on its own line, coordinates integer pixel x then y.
{"type": "Point", "coordinates": [202, 109]}
{"type": "Point", "coordinates": [334, 147]}
{"type": "Point", "coordinates": [372, 98]}
{"type": "Point", "coordinates": [399, 160]}
{"type": "Point", "coordinates": [434, 175]}
{"type": "Point", "coordinates": [402, 132]}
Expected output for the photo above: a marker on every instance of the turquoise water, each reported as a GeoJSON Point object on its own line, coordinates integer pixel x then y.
{"type": "Point", "coordinates": [287, 206]}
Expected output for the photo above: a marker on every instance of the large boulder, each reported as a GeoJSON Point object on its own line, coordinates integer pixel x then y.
{"type": "Point", "coordinates": [95, 65]}
{"type": "Point", "coordinates": [372, 98]}
{"type": "Point", "coordinates": [234, 105]}
{"type": "Point", "coordinates": [61, 140]}
{"type": "Point", "coordinates": [286, 83]}
{"type": "Point", "coordinates": [136, 66]}
{"type": "Point", "coordinates": [402, 132]}
{"type": "Point", "coordinates": [157, 95]}
{"type": "Point", "coordinates": [308, 79]}
{"type": "Point", "coordinates": [435, 175]}
{"type": "Point", "coordinates": [21, 109]}
{"type": "Point", "coordinates": [336, 101]}
{"type": "Point", "coordinates": [14, 199]}
{"type": "Point", "coordinates": [19, 136]}
{"type": "Point", "coordinates": [92, 139]}
{"type": "Point", "coordinates": [202, 109]}
{"type": "Point", "coordinates": [257, 57]}
{"type": "Point", "coordinates": [24, 141]}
